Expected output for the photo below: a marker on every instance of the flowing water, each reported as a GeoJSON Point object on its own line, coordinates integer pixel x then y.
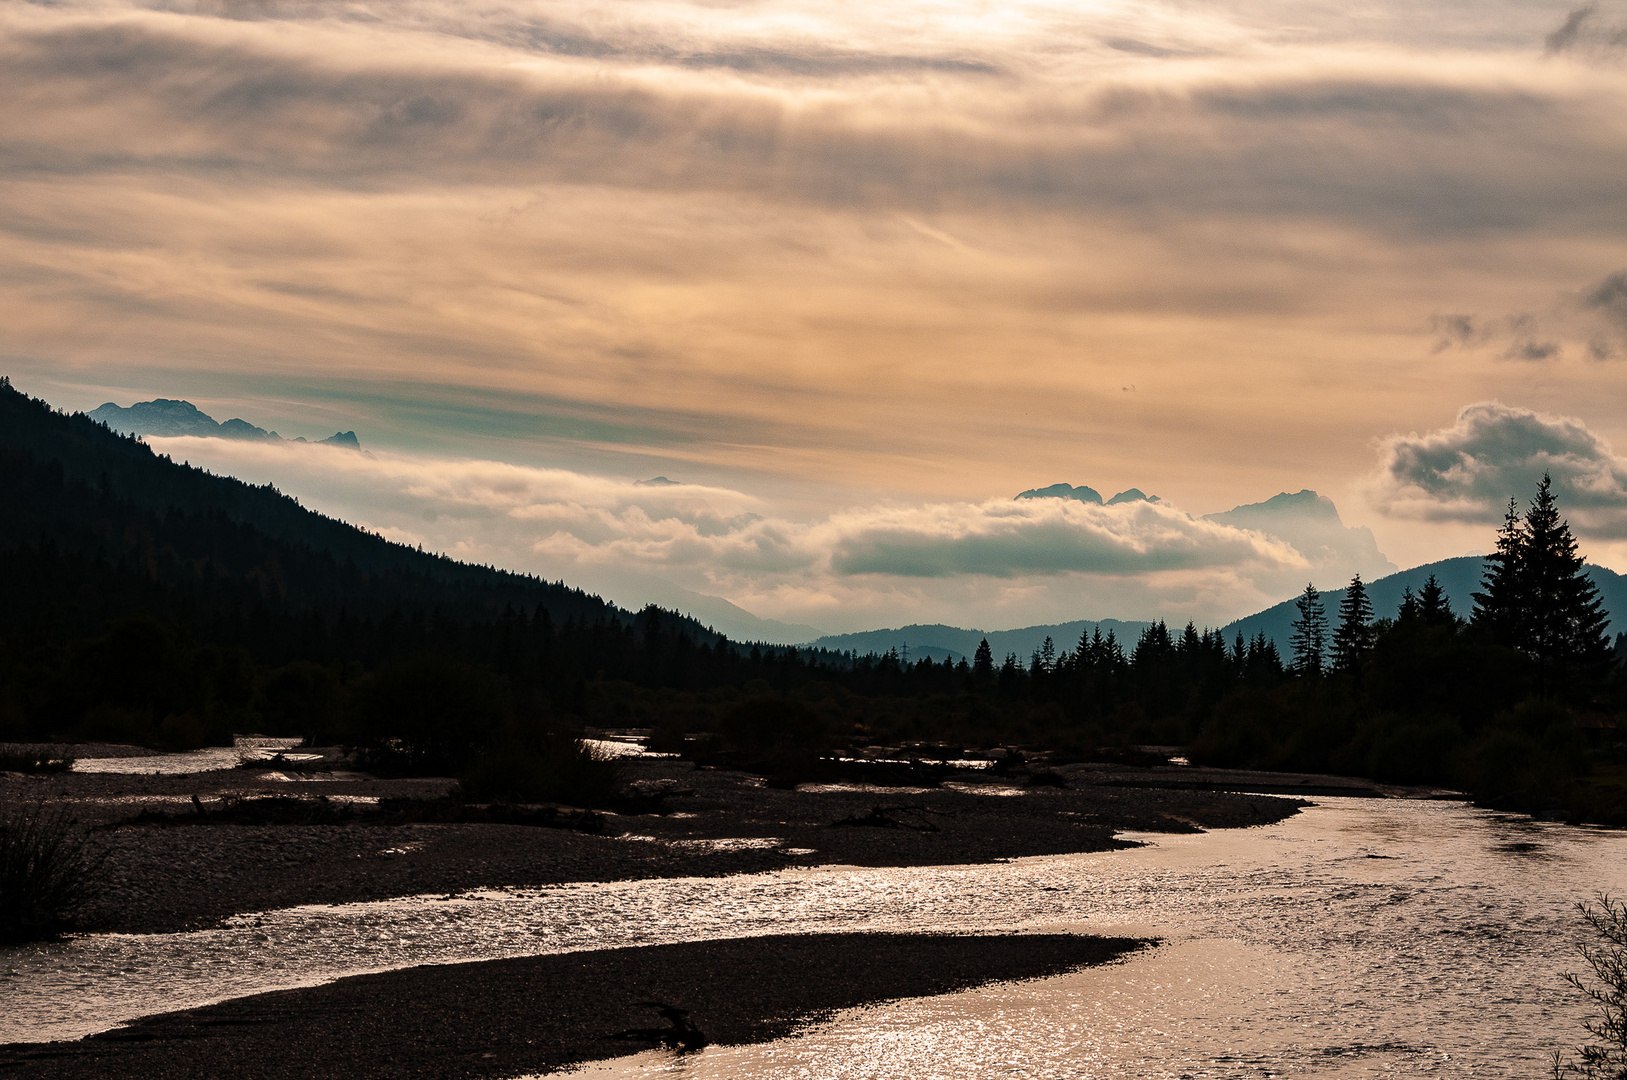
{"type": "Point", "coordinates": [1359, 938]}
{"type": "Point", "coordinates": [210, 758]}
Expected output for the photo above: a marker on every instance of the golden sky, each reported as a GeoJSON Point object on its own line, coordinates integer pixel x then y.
{"type": "Point", "coordinates": [847, 270]}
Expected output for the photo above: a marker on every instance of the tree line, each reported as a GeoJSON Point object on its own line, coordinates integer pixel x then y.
{"type": "Point", "coordinates": [151, 602]}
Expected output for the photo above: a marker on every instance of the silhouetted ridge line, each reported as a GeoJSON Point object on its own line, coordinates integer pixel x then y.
{"type": "Point", "coordinates": [72, 489]}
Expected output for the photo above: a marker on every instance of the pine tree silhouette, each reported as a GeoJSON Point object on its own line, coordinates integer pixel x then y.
{"type": "Point", "coordinates": [983, 662]}
{"type": "Point", "coordinates": [1310, 632]}
{"type": "Point", "coordinates": [1354, 635]}
{"type": "Point", "coordinates": [1565, 621]}
{"type": "Point", "coordinates": [1501, 607]}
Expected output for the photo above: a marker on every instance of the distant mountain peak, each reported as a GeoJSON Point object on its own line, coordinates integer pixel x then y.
{"type": "Point", "coordinates": [657, 481]}
{"type": "Point", "coordinates": [1311, 524]}
{"type": "Point", "coordinates": [1063, 491]}
{"type": "Point", "coordinates": [1304, 501]}
{"type": "Point", "coordinates": [170, 417]}
{"type": "Point", "coordinates": [1085, 494]}
{"type": "Point", "coordinates": [1132, 495]}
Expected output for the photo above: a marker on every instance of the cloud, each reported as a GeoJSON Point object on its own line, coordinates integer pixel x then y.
{"type": "Point", "coordinates": [1494, 452]}
{"type": "Point", "coordinates": [1570, 30]}
{"type": "Point", "coordinates": [897, 253]}
{"type": "Point", "coordinates": [581, 527]}
{"type": "Point", "coordinates": [352, 104]}
{"type": "Point", "coordinates": [1588, 323]}
{"type": "Point", "coordinates": [1609, 298]}
{"type": "Point", "coordinates": [1004, 538]}
{"type": "Point", "coordinates": [1594, 29]}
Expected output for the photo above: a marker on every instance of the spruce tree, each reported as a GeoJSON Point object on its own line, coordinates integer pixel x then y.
{"type": "Point", "coordinates": [1500, 608]}
{"type": "Point", "coordinates": [1409, 606]}
{"type": "Point", "coordinates": [1433, 607]}
{"type": "Point", "coordinates": [1565, 621]}
{"type": "Point", "coordinates": [1310, 632]}
{"type": "Point", "coordinates": [983, 662]}
{"type": "Point", "coordinates": [1354, 634]}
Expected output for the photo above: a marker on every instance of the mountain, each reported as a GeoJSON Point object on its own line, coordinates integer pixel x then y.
{"type": "Point", "coordinates": [1085, 494]}
{"type": "Point", "coordinates": [96, 526]}
{"type": "Point", "coordinates": [634, 591]}
{"type": "Point", "coordinates": [166, 417]}
{"type": "Point", "coordinates": [937, 640]}
{"type": "Point", "coordinates": [1311, 523]}
{"type": "Point", "coordinates": [1460, 578]}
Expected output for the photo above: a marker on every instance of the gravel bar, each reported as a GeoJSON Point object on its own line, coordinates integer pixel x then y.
{"type": "Point", "coordinates": [508, 1018]}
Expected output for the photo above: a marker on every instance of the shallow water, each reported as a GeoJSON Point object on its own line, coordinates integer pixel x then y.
{"type": "Point", "coordinates": [1361, 937]}
{"type": "Point", "coordinates": [208, 759]}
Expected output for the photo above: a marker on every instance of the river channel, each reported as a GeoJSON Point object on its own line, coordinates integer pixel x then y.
{"type": "Point", "coordinates": [1358, 938]}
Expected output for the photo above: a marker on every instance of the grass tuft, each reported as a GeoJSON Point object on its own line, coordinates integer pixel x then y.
{"type": "Point", "coordinates": [47, 875]}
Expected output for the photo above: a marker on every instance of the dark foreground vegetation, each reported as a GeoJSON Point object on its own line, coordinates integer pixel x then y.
{"type": "Point", "coordinates": [505, 1018]}
{"type": "Point", "coordinates": [1604, 985]}
{"type": "Point", "coordinates": [152, 603]}
{"type": "Point", "coordinates": [47, 877]}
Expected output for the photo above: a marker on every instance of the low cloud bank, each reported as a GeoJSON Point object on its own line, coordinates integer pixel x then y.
{"type": "Point", "coordinates": [1035, 558]}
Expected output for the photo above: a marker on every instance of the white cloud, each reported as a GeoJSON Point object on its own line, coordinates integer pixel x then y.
{"type": "Point", "coordinates": [1494, 452]}
{"type": "Point", "coordinates": [1032, 559]}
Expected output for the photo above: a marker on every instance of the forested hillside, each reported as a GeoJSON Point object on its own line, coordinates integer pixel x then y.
{"type": "Point", "coordinates": [151, 602]}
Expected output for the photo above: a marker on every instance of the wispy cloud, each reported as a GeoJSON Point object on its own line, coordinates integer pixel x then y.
{"type": "Point", "coordinates": [906, 253]}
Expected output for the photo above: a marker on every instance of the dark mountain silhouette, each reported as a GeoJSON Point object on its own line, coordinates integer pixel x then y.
{"type": "Point", "coordinates": [167, 417]}
{"type": "Point", "coordinates": [80, 503]}
{"type": "Point", "coordinates": [1085, 494]}
{"type": "Point", "coordinates": [1132, 495]}
{"type": "Point", "coordinates": [1063, 491]}
{"type": "Point", "coordinates": [1460, 578]}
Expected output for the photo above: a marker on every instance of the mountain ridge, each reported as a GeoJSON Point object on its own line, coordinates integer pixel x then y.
{"type": "Point", "coordinates": [174, 417]}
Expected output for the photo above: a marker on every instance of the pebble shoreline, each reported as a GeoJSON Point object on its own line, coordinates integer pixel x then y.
{"type": "Point", "coordinates": [509, 1018]}
{"type": "Point", "coordinates": [192, 867]}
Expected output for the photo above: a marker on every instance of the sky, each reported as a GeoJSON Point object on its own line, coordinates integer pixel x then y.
{"type": "Point", "coordinates": [854, 274]}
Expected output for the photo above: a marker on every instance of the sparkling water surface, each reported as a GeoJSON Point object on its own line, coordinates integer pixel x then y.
{"type": "Point", "coordinates": [1358, 938]}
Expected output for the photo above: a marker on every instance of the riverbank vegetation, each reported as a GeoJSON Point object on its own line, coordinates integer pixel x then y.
{"type": "Point", "coordinates": [155, 604]}
{"type": "Point", "coordinates": [47, 875]}
{"type": "Point", "coordinates": [1604, 1056]}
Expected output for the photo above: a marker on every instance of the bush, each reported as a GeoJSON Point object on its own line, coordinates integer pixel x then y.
{"type": "Point", "coordinates": [427, 717]}
{"type": "Point", "coordinates": [47, 877]}
{"type": "Point", "coordinates": [28, 762]}
{"type": "Point", "coordinates": [536, 766]}
{"type": "Point", "coordinates": [1605, 1058]}
{"type": "Point", "coordinates": [768, 723]}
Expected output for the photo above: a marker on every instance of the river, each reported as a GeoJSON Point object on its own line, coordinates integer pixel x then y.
{"type": "Point", "coordinates": [1358, 938]}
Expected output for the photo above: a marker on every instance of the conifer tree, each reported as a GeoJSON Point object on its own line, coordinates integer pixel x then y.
{"type": "Point", "coordinates": [1565, 620]}
{"type": "Point", "coordinates": [983, 661]}
{"type": "Point", "coordinates": [1409, 606]}
{"type": "Point", "coordinates": [1433, 607]}
{"type": "Point", "coordinates": [1310, 632]}
{"type": "Point", "coordinates": [1500, 607]}
{"type": "Point", "coordinates": [1354, 635]}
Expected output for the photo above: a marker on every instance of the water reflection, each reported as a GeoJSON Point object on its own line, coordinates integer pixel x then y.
{"type": "Point", "coordinates": [243, 748]}
{"type": "Point", "coordinates": [1360, 938]}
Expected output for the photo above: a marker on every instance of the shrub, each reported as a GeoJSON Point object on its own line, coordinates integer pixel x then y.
{"type": "Point", "coordinates": [26, 762]}
{"type": "Point", "coordinates": [47, 877]}
{"type": "Point", "coordinates": [428, 717]}
{"type": "Point", "coordinates": [768, 723]}
{"type": "Point", "coordinates": [537, 766]}
{"type": "Point", "coordinates": [1605, 1058]}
